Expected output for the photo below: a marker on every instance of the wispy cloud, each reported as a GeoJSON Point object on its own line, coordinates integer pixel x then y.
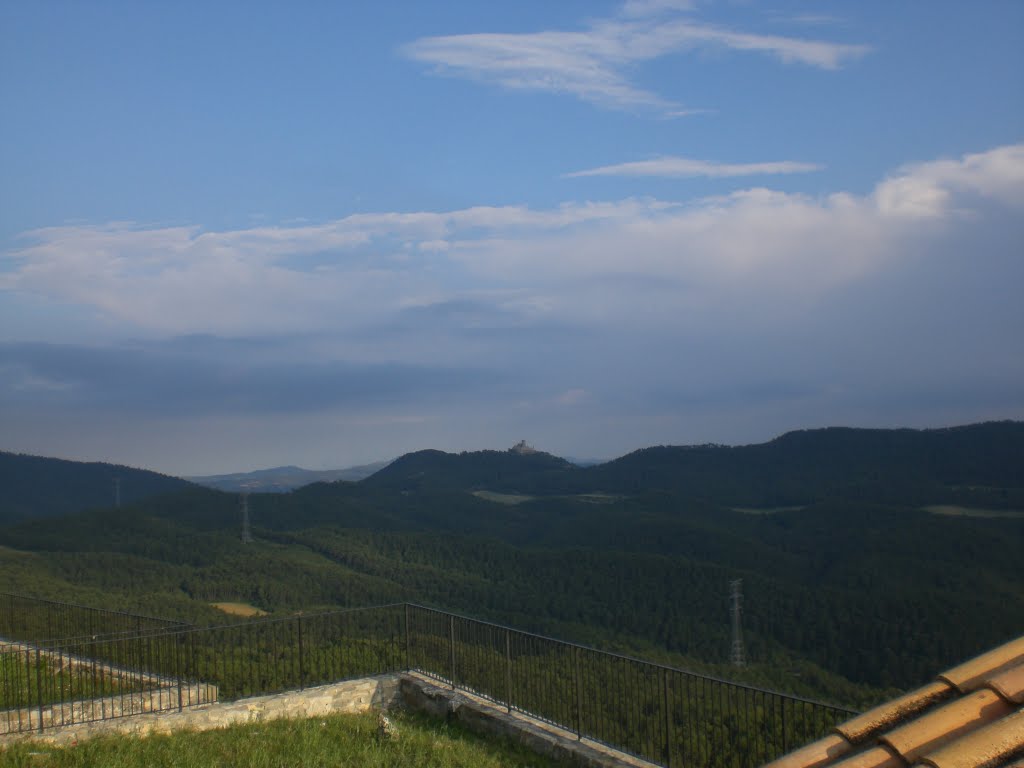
{"type": "Point", "coordinates": [592, 64]}
{"type": "Point", "coordinates": [365, 270]}
{"type": "Point", "coordinates": [682, 167]}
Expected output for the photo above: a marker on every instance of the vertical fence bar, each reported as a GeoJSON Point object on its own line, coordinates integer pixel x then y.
{"type": "Point", "coordinates": [60, 683]}
{"type": "Point", "coordinates": [668, 718]}
{"type": "Point", "coordinates": [785, 739]}
{"type": "Point", "coordinates": [579, 693]}
{"type": "Point", "coordinates": [177, 669]}
{"type": "Point", "coordinates": [451, 641]}
{"type": "Point", "coordinates": [508, 669]}
{"type": "Point", "coordinates": [301, 660]}
{"type": "Point", "coordinates": [39, 688]}
{"type": "Point", "coordinates": [408, 643]}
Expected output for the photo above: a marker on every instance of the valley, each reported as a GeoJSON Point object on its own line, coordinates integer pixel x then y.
{"type": "Point", "coordinates": [852, 589]}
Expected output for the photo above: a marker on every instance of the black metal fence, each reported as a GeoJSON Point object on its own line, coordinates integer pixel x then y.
{"type": "Point", "coordinates": [660, 713]}
{"type": "Point", "coordinates": [52, 683]}
{"type": "Point", "coordinates": [37, 619]}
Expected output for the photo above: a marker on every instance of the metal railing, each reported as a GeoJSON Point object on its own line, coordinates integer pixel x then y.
{"type": "Point", "coordinates": [665, 715]}
{"type": "Point", "coordinates": [37, 619]}
{"type": "Point", "coordinates": [63, 682]}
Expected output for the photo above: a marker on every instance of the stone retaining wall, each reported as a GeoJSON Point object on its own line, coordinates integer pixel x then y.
{"type": "Point", "coordinates": [163, 699]}
{"type": "Point", "coordinates": [352, 696]}
{"type": "Point", "coordinates": [355, 696]}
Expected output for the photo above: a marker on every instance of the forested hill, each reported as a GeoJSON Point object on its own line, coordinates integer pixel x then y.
{"type": "Point", "coordinates": [500, 470]}
{"type": "Point", "coordinates": [980, 464]}
{"type": "Point", "coordinates": [977, 465]}
{"type": "Point", "coordinates": [36, 486]}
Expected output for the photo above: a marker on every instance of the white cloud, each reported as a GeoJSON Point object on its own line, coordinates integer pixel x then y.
{"type": "Point", "coordinates": [688, 167]}
{"type": "Point", "coordinates": [926, 190]}
{"type": "Point", "coordinates": [632, 262]}
{"type": "Point", "coordinates": [591, 64]}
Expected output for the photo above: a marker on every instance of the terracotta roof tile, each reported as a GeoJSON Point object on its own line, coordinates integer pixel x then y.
{"type": "Point", "coordinates": [971, 674]}
{"type": "Point", "coordinates": [876, 757]}
{"type": "Point", "coordinates": [946, 723]}
{"type": "Point", "coordinates": [893, 712]}
{"type": "Point", "coordinates": [1010, 684]}
{"type": "Point", "coordinates": [987, 747]}
{"type": "Point", "coordinates": [971, 717]}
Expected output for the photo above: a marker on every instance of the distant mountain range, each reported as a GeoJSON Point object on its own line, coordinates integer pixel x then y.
{"type": "Point", "coordinates": [978, 465]}
{"type": "Point", "coordinates": [281, 479]}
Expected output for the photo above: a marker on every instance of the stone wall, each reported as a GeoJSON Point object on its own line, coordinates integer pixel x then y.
{"type": "Point", "coordinates": [165, 698]}
{"type": "Point", "coordinates": [352, 696]}
{"type": "Point", "coordinates": [355, 696]}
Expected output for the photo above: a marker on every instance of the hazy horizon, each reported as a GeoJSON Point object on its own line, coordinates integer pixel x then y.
{"type": "Point", "coordinates": [240, 237]}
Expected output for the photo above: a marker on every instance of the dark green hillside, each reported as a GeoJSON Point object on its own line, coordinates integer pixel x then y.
{"type": "Point", "coordinates": [35, 486]}
{"type": "Point", "coordinates": [847, 593]}
{"type": "Point", "coordinates": [506, 471]}
{"type": "Point", "coordinates": [980, 465]}
{"type": "Point", "coordinates": [977, 465]}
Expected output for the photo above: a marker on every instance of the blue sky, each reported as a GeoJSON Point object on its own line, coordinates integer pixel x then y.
{"type": "Point", "coordinates": [238, 235]}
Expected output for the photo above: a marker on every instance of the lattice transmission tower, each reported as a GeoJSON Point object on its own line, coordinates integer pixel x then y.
{"type": "Point", "coordinates": [739, 658]}
{"type": "Point", "coordinates": [246, 533]}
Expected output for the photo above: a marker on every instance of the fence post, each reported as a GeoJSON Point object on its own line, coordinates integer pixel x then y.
{"type": "Point", "coordinates": [508, 668]}
{"type": "Point", "coordinates": [579, 693]}
{"type": "Point", "coordinates": [668, 719]}
{"type": "Point", "coordinates": [177, 668]}
{"type": "Point", "coordinates": [408, 636]}
{"type": "Point", "coordinates": [302, 672]}
{"type": "Point", "coordinates": [785, 746]}
{"type": "Point", "coordinates": [39, 689]}
{"type": "Point", "coordinates": [451, 643]}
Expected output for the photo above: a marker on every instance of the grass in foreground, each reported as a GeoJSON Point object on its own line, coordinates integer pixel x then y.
{"type": "Point", "coordinates": [331, 742]}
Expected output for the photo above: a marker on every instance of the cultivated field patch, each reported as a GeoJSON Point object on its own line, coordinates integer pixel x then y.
{"type": "Point", "coordinates": [239, 609]}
